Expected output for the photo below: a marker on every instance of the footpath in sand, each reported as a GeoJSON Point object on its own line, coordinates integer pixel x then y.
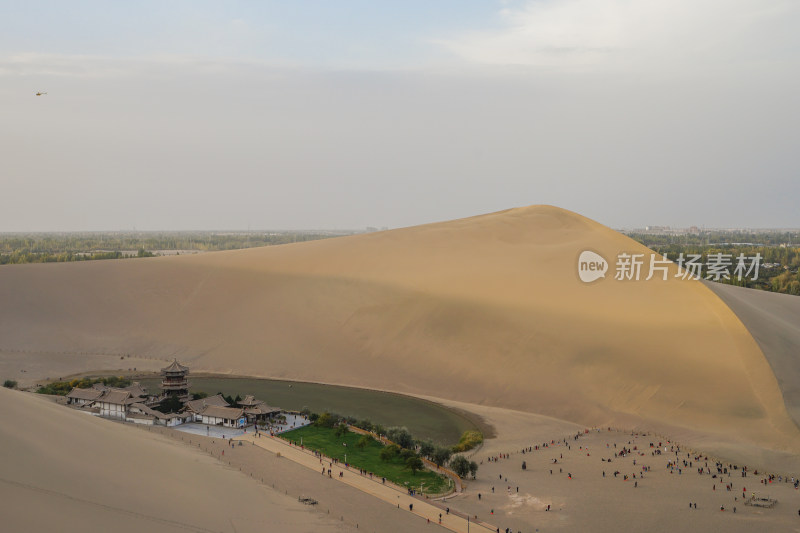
{"type": "Point", "coordinates": [388, 492]}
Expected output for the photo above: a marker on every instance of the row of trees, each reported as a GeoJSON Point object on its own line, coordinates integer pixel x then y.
{"type": "Point", "coordinates": [62, 388]}
{"type": "Point", "coordinates": [716, 237]}
{"type": "Point", "coordinates": [404, 446]}
{"type": "Point", "coordinates": [779, 251]}
{"type": "Point", "coordinates": [63, 247]}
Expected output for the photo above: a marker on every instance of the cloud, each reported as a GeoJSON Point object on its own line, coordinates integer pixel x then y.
{"type": "Point", "coordinates": [643, 34]}
{"type": "Point", "coordinates": [103, 66]}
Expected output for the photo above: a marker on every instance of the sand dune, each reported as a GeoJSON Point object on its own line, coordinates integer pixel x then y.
{"type": "Point", "coordinates": [774, 321]}
{"type": "Point", "coordinates": [67, 471]}
{"type": "Point", "coordinates": [485, 310]}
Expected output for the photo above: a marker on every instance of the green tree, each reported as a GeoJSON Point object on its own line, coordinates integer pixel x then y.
{"type": "Point", "coordinates": [341, 429]}
{"type": "Point", "coordinates": [473, 469]}
{"type": "Point", "coordinates": [363, 442]}
{"type": "Point", "coordinates": [414, 463]}
{"type": "Point", "coordinates": [171, 404]}
{"type": "Point", "coordinates": [460, 465]}
{"type": "Point", "coordinates": [389, 452]}
{"type": "Point", "coordinates": [426, 448]}
{"type": "Point", "coordinates": [405, 453]}
{"type": "Point", "coordinates": [400, 436]}
{"type": "Point", "coordinates": [441, 455]}
{"type": "Point", "coordinates": [325, 420]}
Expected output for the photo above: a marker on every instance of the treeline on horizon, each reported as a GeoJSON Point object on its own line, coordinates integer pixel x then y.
{"type": "Point", "coordinates": [18, 248]}
{"type": "Point", "coordinates": [780, 254]}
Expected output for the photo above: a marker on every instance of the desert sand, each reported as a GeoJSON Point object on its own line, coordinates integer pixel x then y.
{"type": "Point", "coordinates": [486, 310]}
{"type": "Point", "coordinates": [484, 314]}
{"type": "Point", "coordinates": [67, 471]}
{"type": "Point", "coordinates": [774, 321]}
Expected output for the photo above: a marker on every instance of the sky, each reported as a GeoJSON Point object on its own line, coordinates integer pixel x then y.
{"type": "Point", "coordinates": [190, 115]}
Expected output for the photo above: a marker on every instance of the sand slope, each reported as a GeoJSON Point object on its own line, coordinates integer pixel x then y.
{"type": "Point", "coordinates": [774, 321]}
{"type": "Point", "coordinates": [485, 310]}
{"type": "Point", "coordinates": [68, 471]}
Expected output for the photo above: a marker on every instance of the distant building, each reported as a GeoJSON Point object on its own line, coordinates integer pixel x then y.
{"type": "Point", "coordinates": [83, 396]}
{"type": "Point", "coordinates": [133, 404]}
{"type": "Point", "coordinates": [174, 381]}
{"type": "Point", "coordinates": [114, 403]}
{"type": "Point", "coordinates": [256, 410]}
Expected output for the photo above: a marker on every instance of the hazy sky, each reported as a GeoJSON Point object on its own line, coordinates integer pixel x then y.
{"type": "Point", "coordinates": [343, 114]}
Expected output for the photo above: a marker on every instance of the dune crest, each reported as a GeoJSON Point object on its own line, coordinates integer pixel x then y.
{"type": "Point", "coordinates": [487, 309]}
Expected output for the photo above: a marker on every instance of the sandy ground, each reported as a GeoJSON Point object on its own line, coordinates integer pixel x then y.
{"type": "Point", "coordinates": [61, 470]}
{"type": "Point", "coordinates": [483, 314]}
{"type": "Point", "coordinates": [588, 501]}
{"type": "Point", "coordinates": [486, 310]}
{"type": "Point", "coordinates": [774, 321]}
{"type": "Point", "coordinates": [74, 480]}
{"type": "Point", "coordinates": [29, 369]}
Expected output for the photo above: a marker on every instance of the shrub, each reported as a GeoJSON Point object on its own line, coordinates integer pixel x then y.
{"type": "Point", "coordinates": [325, 420]}
{"type": "Point", "coordinates": [469, 439]}
{"type": "Point", "coordinates": [363, 442]}
{"type": "Point", "coordinates": [62, 388]}
{"type": "Point", "coordinates": [10, 384]}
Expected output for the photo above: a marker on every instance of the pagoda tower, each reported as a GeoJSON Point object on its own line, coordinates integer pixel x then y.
{"type": "Point", "coordinates": [174, 381]}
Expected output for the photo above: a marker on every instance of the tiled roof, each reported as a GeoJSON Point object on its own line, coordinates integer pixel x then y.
{"type": "Point", "coordinates": [230, 413]}
{"type": "Point", "coordinates": [175, 366]}
{"type": "Point", "coordinates": [117, 397]}
{"type": "Point", "coordinates": [84, 394]}
{"type": "Point", "coordinates": [136, 389]}
{"type": "Point", "coordinates": [198, 405]}
{"type": "Point", "coordinates": [250, 401]}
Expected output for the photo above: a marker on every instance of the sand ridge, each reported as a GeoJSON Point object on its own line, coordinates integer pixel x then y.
{"type": "Point", "coordinates": [485, 310]}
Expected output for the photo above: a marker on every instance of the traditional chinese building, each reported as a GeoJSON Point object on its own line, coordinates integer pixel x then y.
{"type": "Point", "coordinates": [174, 381]}
{"type": "Point", "coordinates": [257, 411]}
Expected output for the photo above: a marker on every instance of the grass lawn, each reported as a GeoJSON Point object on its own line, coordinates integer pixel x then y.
{"type": "Point", "coordinates": [324, 440]}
